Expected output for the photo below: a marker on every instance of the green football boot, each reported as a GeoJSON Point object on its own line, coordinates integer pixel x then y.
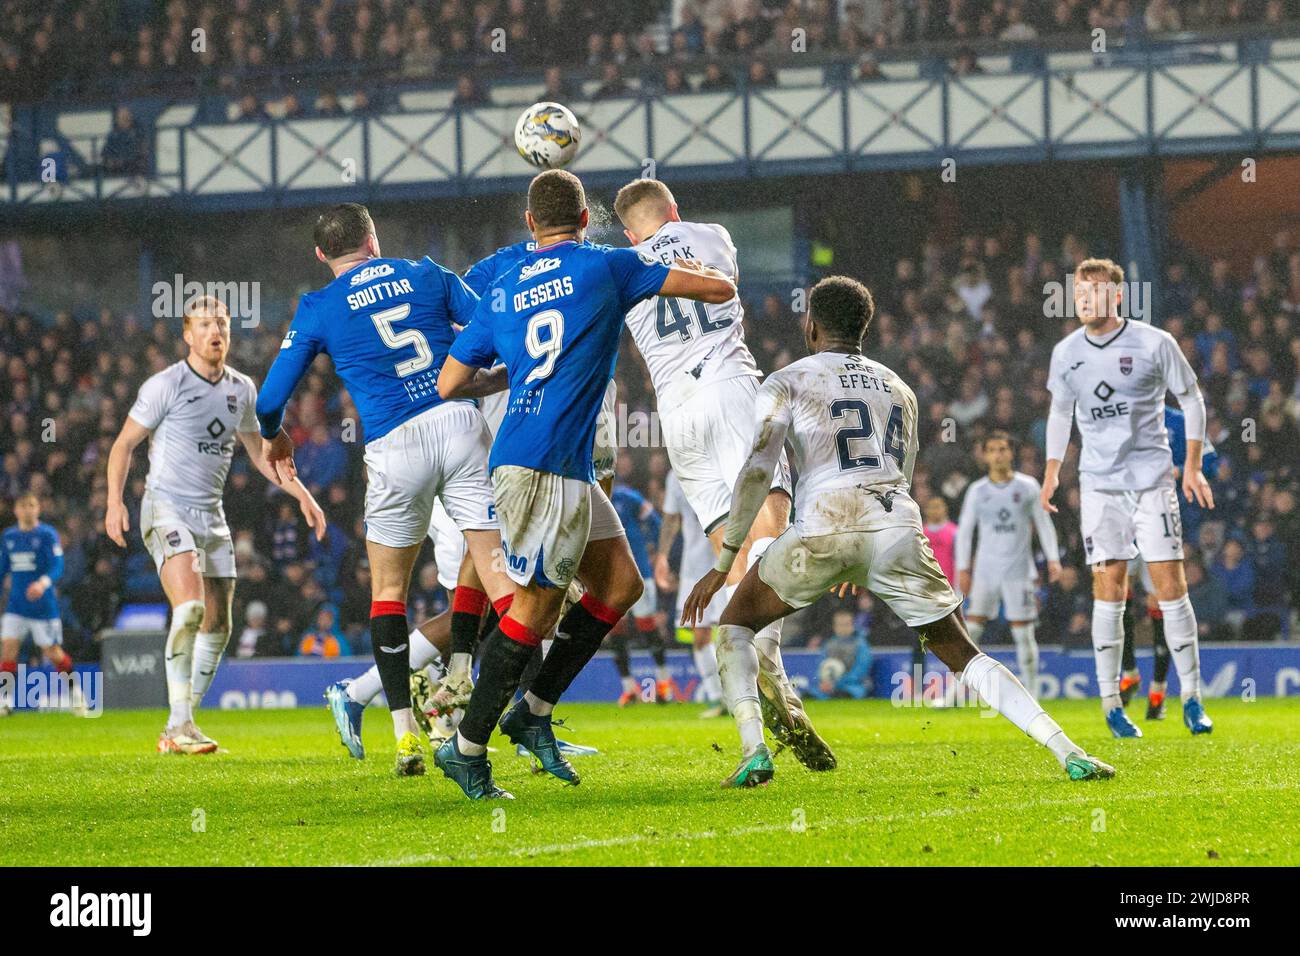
{"type": "Point", "coordinates": [754, 770]}
{"type": "Point", "coordinates": [1083, 767]}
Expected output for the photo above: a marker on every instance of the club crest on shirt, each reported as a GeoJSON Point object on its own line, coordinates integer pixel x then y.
{"type": "Point", "coordinates": [174, 538]}
{"type": "Point", "coordinates": [231, 403]}
{"type": "Point", "coordinates": [1126, 364]}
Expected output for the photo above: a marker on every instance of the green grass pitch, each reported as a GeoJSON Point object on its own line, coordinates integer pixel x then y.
{"type": "Point", "coordinates": [913, 787]}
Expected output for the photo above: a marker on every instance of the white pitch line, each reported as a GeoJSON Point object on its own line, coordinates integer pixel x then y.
{"type": "Point", "coordinates": [631, 838]}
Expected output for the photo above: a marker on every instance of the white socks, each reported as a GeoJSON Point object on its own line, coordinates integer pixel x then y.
{"type": "Point", "coordinates": [706, 665]}
{"type": "Point", "coordinates": [1181, 636]}
{"type": "Point", "coordinates": [976, 631]}
{"type": "Point", "coordinates": [468, 747]}
{"type": "Point", "coordinates": [536, 706]}
{"type": "Point", "coordinates": [187, 618]}
{"type": "Point", "coordinates": [404, 723]}
{"type": "Point", "coordinates": [366, 688]}
{"type": "Point", "coordinates": [208, 648]}
{"type": "Point", "coordinates": [1000, 690]}
{"type": "Point", "coordinates": [738, 673]}
{"type": "Point", "coordinates": [1026, 655]}
{"type": "Point", "coordinates": [1108, 649]}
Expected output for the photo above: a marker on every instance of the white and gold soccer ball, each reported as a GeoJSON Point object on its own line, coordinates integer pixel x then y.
{"type": "Point", "coordinates": [548, 135]}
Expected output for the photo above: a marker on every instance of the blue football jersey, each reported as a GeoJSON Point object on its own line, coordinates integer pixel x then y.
{"type": "Point", "coordinates": [387, 326]}
{"type": "Point", "coordinates": [26, 556]}
{"type": "Point", "coordinates": [641, 523]}
{"type": "Point", "coordinates": [487, 270]}
{"type": "Point", "coordinates": [554, 318]}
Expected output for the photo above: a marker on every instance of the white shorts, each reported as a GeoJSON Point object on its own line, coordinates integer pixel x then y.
{"type": "Point", "coordinates": [440, 453]}
{"type": "Point", "coordinates": [546, 522]}
{"type": "Point", "coordinates": [709, 440]}
{"type": "Point", "coordinates": [1016, 596]}
{"type": "Point", "coordinates": [1138, 569]}
{"type": "Point", "coordinates": [448, 546]}
{"type": "Point", "coordinates": [895, 564]}
{"type": "Point", "coordinates": [648, 604]}
{"type": "Point", "coordinates": [170, 528]}
{"type": "Point", "coordinates": [46, 633]}
{"type": "Point", "coordinates": [1120, 525]}
{"type": "Point", "coordinates": [604, 451]}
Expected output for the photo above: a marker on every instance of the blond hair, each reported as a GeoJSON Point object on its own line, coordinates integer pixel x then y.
{"type": "Point", "coordinates": [1091, 267]}
{"type": "Point", "coordinates": [204, 305]}
{"type": "Point", "coordinates": [643, 197]}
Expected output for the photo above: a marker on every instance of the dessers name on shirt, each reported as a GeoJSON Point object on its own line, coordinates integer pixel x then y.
{"type": "Point", "coordinates": [376, 293]}
{"type": "Point", "coordinates": [546, 291]}
{"type": "Point", "coordinates": [860, 376]}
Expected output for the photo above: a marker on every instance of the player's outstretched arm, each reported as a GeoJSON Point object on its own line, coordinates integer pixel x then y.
{"type": "Point", "coordinates": [256, 446]}
{"type": "Point", "coordinates": [478, 383]}
{"type": "Point", "coordinates": [116, 521]}
{"type": "Point", "coordinates": [702, 283]}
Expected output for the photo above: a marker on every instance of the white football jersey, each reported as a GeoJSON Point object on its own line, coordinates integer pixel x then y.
{"type": "Point", "coordinates": [697, 552]}
{"type": "Point", "coordinates": [688, 344]}
{"type": "Point", "coordinates": [1004, 516]}
{"type": "Point", "coordinates": [194, 422]}
{"type": "Point", "coordinates": [852, 426]}
{"type": "Point", "coordinates": [1118, 386]}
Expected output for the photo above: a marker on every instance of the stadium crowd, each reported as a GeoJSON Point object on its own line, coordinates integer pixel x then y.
{"type": "Point", "coordinates": [963, 322]}
{"type": "Point", "coordinates": [97, 49]}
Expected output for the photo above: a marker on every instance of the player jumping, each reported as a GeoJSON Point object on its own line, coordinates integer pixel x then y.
{"type": "Point", "coordinates": [1004, 508]}
{"type": "Point", "coordinates": [705, 380]}
{"type": "Point", "coordinates": [386, 324]}
{"type": "Point", "coordinates": [191, 412]}
{"type": "Point", "coordinates": [1112, 375]}
{"type": "Point", "coordinates": [554, 319]}
{"type": "Point", "coordinates": [852, 425]}
{"type": "Point", "coordinates": [30, 553]}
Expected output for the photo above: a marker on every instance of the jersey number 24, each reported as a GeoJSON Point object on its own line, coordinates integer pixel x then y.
{"type": "Point", "coordinates": [859, 426]}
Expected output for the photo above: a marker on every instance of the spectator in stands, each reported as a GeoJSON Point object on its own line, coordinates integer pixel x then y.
{"type": "Point", "coordinates": [715, 80]}
{"type": "Point", "coordinates": [252, 639]}
{"type": "Point", "coordinates": [1210, 600]}
{"type": "Point", "coordinates": [612, 84]}
{"type": "Point", "coordinates": [126, 148]}
{"type": "Point", "coordinates": [845, 667]}
{"type": "Point", "coordinates": [468, 93]}
{"type": "Point", "coordinates": [325, 639]}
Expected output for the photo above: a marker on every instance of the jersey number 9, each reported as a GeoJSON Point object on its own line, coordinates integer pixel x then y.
{"type": "Point", "coordinates": [395, 340]}
{"type": "Point", "coordinates": [544, 345]}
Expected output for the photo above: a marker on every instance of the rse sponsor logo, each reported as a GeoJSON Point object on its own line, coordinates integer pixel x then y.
{"type": "Point", "coordinates": [538, 267]}
{"type": "Point", "coordinates": [1117, 410]}
{"type": "Point", "coordinates": [371, 272]}
{"type": "Point", "coordinates": [132, 910]}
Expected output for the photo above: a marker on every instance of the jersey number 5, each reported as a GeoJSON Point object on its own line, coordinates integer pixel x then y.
{"type": "Point", "coordinates": [865, 430]}
{"type": "Point", "coordinates": [544, 339]}
{"type": "Point", "coordinates": [395, 340]}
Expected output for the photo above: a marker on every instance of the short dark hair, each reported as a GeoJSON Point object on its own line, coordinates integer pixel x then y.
{"type": "Point", "coordinates": [842, 306]}
{"type": "Point", "coordinates": [342, 229]}
{"type": "Point", "coordinates": [556, 199]}
{"type": "Point", "coordinates": [998, 435]}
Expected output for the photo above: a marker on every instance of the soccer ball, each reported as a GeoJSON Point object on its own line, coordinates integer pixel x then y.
{"type": "Point", "coordinates": [547, 135]}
